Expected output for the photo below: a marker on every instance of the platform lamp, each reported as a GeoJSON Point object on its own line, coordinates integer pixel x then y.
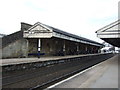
{"type": "Point", "coordinates": [39, 47]}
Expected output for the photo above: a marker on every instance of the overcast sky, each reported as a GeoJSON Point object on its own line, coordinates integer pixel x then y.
{"type": "Point", "coordinates": [80, 17]}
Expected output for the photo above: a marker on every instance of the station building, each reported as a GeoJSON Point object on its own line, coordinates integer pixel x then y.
{"type": "Point", "coordinates": [44, 40]}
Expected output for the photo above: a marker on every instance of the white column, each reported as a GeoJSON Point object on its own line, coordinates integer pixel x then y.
{"type": "Point", "coordinates": [39, 47]}
{"type": "Point", "coordinates": [86, 48]}
{"type": "Point", "coordinates": [39, 44]}
{"type": "Point", "coordinates": [64, 47]}
{"type": "Point", "coordinates": [27, 48]}
{"type": "Point", "coordinates": [77, 47]}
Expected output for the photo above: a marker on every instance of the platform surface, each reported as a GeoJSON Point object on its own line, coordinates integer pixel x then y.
{"type": "Point", "coordinates": [28, 60]}
{"type": "Point", "coordinates": [103, 75]}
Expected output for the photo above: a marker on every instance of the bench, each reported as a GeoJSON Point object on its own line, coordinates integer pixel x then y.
{"type": "Point", "coordinates": [36, 54]}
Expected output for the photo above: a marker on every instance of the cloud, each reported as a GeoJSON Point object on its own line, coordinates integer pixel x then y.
{"type": "Point", "coordinates": [81, 17]}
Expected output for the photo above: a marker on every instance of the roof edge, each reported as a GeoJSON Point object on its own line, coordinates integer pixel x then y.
{"type": "Point", "coordinates": [108, 26]}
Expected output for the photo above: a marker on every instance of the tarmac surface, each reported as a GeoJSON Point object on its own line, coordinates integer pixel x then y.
{"type": "Point", "coordinates": [103, 75]}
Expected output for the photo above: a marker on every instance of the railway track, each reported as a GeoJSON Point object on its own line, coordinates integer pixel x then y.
{"type": "Point", "coordinates": [46, 76]}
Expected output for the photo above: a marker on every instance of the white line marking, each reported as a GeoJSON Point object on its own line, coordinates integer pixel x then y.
{"type": "Point", "coordinates": [52, 86]}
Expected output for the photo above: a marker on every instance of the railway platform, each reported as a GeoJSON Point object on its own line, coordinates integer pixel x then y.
{"type": "Point", "coordinates": [14, 61]}
{"type": "Point", "coordinates": [43, 74]}
{"type": "Point", "coordinates": [103, 75]}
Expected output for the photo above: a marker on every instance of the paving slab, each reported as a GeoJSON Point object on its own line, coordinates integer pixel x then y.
{"type": "Point", "coordinates": [103, 75]}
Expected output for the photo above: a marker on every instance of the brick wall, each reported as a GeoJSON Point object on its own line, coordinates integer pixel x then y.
{"type": "Point", "coordinates": [6, 40]}
{"type": "Point", "coordinates": [14, 45]}
{"type": "Point", "coordinates": [16, 49]}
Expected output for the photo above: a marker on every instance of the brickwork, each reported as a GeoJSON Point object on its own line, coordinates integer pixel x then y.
{"type": "Point", "coordinates": [6, 40]}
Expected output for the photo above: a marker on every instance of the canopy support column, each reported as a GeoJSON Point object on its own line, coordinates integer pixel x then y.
{"type": "Point", "coordinates": [39, 47]}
